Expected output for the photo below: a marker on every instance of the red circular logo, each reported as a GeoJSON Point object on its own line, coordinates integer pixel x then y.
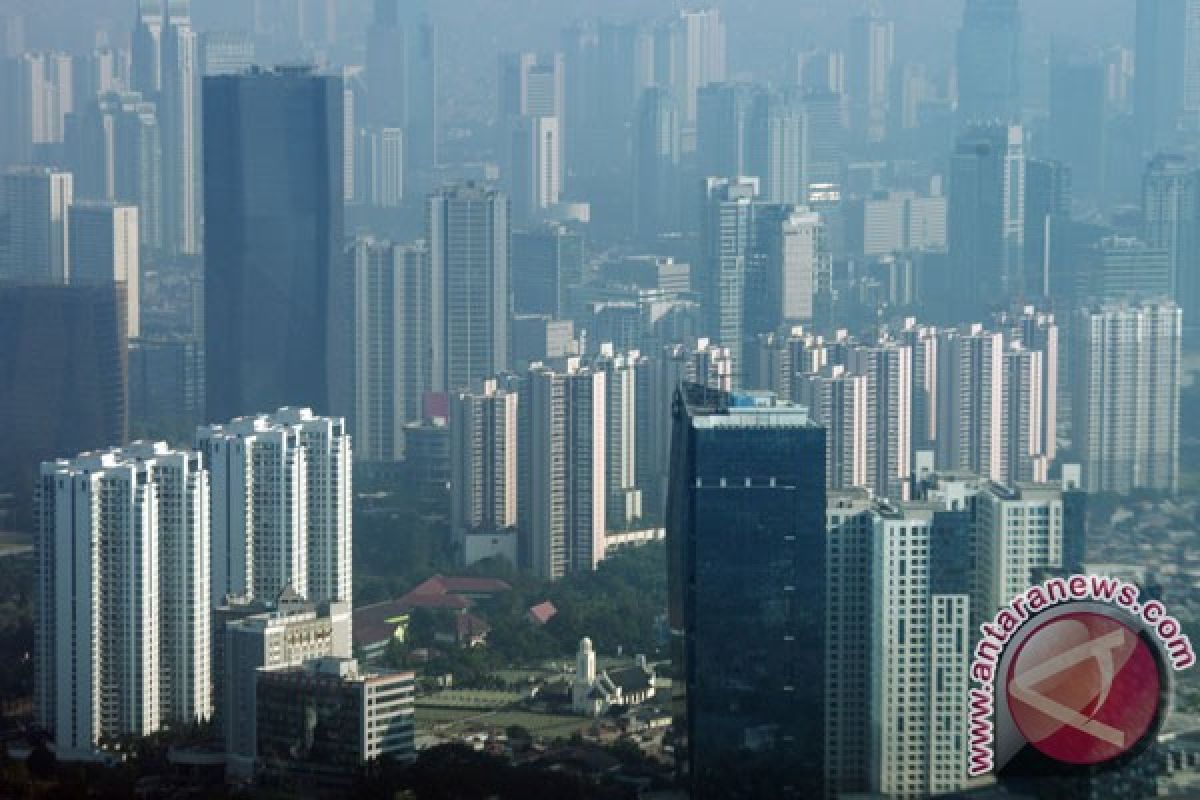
{"type": "Point", "coordinates": [1084, 688]}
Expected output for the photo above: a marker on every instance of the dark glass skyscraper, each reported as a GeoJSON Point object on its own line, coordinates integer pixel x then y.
{"type": "Point", "coordinates": [989, 62]}
{"type": "Point", "coordinates": [273, 239]}
{"type": "Point", "coordinates": [746, 555]}
{"type": "Point", "coordinates": [1158, 89]}
{"type": "Point", "coordinates": [63, 379]}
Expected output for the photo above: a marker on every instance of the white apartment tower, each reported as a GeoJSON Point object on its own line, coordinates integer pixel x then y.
{"type": "Point", "coordinates": [887, 367]}
{"type": "Point", "coordinates": [1022, 447]}
{"type": "Point", "coordinates": [483, 461]}
{"type": "Point", "coordinates": [970, 401]}
{"type": "Point", "coordinates": [919, 662]}
{"type": "Point", "coordinates": [923, 342]}
{"type": "Point", "coordinates": [281, 505]}
{"type": "Point", "coordinates": [898, 638]}
{"type": "Point", "coordinates": [837, 401]}
{"type": "Point", "coordinates": [1018, 531]}
{"type": "Point", "coordinates": [123, 628]}
{"type": "Point", "coordinates": [562, 513]}
{"type": "Point", "coordinates": [391, 295]}
{"type": "Point", "coordinates": [1125, 396]}
{"type": "Point", "coordinates": [622, 382]}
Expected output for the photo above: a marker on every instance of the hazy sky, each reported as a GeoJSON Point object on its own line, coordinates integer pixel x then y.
{"type": "Point", "coordinates": [762, 32]}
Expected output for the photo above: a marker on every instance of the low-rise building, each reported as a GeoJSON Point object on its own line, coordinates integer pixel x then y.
{"type": "Point", "coordinates": [319, 722]}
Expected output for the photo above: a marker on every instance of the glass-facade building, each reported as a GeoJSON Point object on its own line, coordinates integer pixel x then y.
{"type": "Point", "coordinates": [273, 240]}
{"type": "Point", "coordinates": [746, 544]}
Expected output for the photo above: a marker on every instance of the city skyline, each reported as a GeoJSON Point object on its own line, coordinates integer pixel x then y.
{"type": "Point", "coordinates": [363, 362]}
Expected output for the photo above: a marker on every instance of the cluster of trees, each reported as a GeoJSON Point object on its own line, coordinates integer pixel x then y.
{"type": "Point", "coordinates": [16, 633]}
{"type": "Point", "coordinates": [457, 772]}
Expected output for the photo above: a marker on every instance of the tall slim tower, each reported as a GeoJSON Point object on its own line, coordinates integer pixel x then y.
{"type": "Point", "coordinates": [970, 401]}
{"type": "Point", "coordinates": [179, 100]}
{"type": "Point", "coordinates": [888, 370]}
{"type": "Point", "coordinates": [469, 296]}
{"type": "Point", "coordinates": [483, 463]}
{"type": "Point", "coordinates": [747, 594]}
{"type": "Point", "coordinates": [986, 218]}
{"type": "Point", "coordinates": [727, 236]}
{"type": "Point", "coordinates": [562, 511]}
{"type": "Point", "coordinates": [166, 71]}
{"type": "Point", "coordinates": [1171, 209]}
{"type": "Point", "coordinates": [1165, 56]}
{"type": "Point", "coordinates": [273, 227]}
{"type": "Point", "coordinates": [872, 54]}
{"type": "Point", "coordinates": [391, 350]}
{"type": "Point", "coordinates": [656, 177]}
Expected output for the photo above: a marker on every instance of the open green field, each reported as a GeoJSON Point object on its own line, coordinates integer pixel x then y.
{"type": "Point", "coordinates": [544, 726]}
{"type": "Point", "coordinates": [469, 699]}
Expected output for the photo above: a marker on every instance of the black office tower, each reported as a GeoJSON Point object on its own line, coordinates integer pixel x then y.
{"type": "Point", "coordinates": [273, 238]}
{"type": "Point", "coordinates": [746, 550]}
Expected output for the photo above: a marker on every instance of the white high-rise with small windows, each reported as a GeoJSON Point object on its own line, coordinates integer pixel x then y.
{"type": "Point", "coordinates": [122, 641]}
{"type": "Point", "coordinates": [483, 462]}
{"type": "Point", "coordinates": [281, 505]}
{"type": "Point", "coordinates": [898, 638]}
{"type": "Point", "coordinates": [1125, 396]}
{"type": "Point", "coordinates": [562, 508]}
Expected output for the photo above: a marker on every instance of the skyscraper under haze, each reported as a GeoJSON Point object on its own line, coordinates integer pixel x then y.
{"type": "Point", "coordinates": [986, 219]}
{"type": "Point", "coordinates": [66, 385]}
{"type": "Point", "coordinates": [989, 62]}
{"type": "Point", "coordinates": [1163, 68]}
{"type": "Point", "coordinates": [747, 594]}
{"type": "Point", "coordinates": [34, 243]}
{"type": "Point", "coordinates": [872, 53]}
{"type": "Point", "coordinates": [166, 70]}
{"type": "Point", "coordinates": [402, 77]}
{"type": "Point", "coordinates": [104, 239]}
{"type": "Point", "coordinates": [273, 226]}
{"type": "Point", "coordinates": [469, 295]}
{"type": "Point", "coordinates": [727, 236]}
{"type": "Point", "coordinates": [114, 151]}
{"type": "Point", "coordinates": [391, 345]}
{"type": "Point", "coordinates": [656, 178]}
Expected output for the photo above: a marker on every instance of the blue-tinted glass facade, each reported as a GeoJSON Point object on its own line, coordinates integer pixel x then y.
{"type": "Point", "coordinates": [746, 530]}
{"type": "Point", "coordinates": [273, 238]}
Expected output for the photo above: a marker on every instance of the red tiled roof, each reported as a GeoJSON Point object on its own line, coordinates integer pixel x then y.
{"type": "Point", "coordinates": [371, 622]}
{"type": "Point", "coordinates": [470, 584]}
{"type": "Point", "coordinates": [543, 612]}
{"type": "Point", "coordinates": [440, 584]}
{"type": "Point", "coordinates": [429, 600]}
